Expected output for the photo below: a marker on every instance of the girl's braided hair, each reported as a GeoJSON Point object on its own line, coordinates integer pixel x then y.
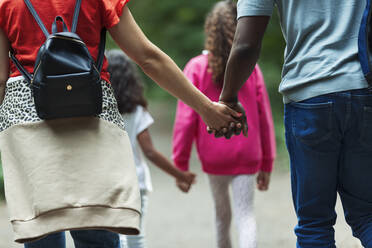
{"type": "Point", "coordinates": [219, 28]}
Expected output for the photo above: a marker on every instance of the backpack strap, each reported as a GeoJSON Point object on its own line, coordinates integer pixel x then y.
{"type": "Point", "coordinates": [102, 44]}
{"type": "Point", "coordinates": [101, 52]}
{"type": "Point", "coordinates": [76, 16]}
{"type": "Point", "coordinates": [36, 17]}
{"type": "Point", "coordinates": [20, 68]}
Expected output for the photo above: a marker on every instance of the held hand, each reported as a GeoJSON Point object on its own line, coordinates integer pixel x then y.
{"type": "Point", "coordinates": [185, 184]}
{"type": "Point", "coordinates": [242, 125]}
{"type": "Point", "coordinates": [189, 177]}
{"type": "Point", "coordinates": [263, 180]}
{"type": "Point", "coordinates": [234, 128]}
{"type": "Point", "coordinates": [219, 117]}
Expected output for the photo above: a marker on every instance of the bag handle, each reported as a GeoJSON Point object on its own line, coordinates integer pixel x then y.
{"type": "Point", "coordinates": [54, 25]}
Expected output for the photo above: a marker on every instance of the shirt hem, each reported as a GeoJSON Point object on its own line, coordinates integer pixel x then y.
{"type": "Point", "coordinates": [118, 220]}
{"type": "Point", "coordinates": [236, 171]}
{"type": "Point", "coordinates": [318, 88]}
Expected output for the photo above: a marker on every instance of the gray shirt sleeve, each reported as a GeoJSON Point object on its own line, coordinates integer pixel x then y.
{"type": "Point", "coordinates": [255, 8]}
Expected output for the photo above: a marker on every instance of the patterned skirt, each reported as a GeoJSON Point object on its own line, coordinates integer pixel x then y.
{"type": "Point", "coordinates": [65, 174]}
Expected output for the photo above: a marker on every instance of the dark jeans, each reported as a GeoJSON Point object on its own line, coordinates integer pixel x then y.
{"type": "Point", "coordinates": [329, 139]}
{"type": "Point", "coordinates": [82, 239]}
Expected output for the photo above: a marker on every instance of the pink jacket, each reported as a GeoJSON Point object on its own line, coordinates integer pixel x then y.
{"type": "Point", "coordinates": [238, 155]}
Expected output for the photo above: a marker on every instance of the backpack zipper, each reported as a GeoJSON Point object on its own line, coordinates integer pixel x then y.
{"type": "Point", "coordinates": [67, 38]}
{"type": "Point", "coordinates": [37, 68]}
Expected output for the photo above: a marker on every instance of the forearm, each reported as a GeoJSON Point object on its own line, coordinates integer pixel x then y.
{"type": "Point", "coordinates": [159, 67]}
{"type": "Point", "coordinates": [164, 164]}
{"type": "Point", "coordinates": [244, 54]}
{"type": "Point", "coordinates": [155, 63]}
{"type": "Point", "coordinates": [239, 67]}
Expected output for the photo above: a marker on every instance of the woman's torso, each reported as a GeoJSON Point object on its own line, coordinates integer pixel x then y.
{"type": "Point", "coordinates": [26, 37]}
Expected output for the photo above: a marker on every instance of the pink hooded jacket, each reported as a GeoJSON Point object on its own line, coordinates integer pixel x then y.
{"type": "Point", "coordinates": [238, 155]}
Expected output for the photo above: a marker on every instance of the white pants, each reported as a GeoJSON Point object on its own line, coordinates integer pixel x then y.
{"type": "Point", "coordinates": [243, 194]}
{"type": "Point", "coordinates": [137, 241]}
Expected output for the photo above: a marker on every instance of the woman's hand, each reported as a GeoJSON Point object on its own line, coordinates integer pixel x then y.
{"type": "Point", "coordinates": [237, 124]}
{"type": "Point", "coordinates": [219, 118]}
{"type": "Point", "coordinates": [242, 125]}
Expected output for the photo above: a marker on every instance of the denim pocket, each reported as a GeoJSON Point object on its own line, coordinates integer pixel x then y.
{"type": "Point", "coordinates": [312, 122]}
{"type": "Point", "coordinates": [366, 132]}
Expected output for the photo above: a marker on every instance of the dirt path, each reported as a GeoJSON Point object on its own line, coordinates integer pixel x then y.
{"type": "Point", "coordinates": [186, 221]}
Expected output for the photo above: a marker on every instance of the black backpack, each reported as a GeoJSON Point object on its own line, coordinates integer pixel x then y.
{"type": "Point", "coordinates": [66, 81]}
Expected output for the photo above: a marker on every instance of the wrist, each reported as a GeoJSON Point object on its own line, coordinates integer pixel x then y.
{"type": "Point", "coordinates": [205, 108]}
{"type": "Point", "coordinates": [228, 99]}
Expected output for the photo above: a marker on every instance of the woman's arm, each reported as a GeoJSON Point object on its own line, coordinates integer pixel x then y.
{"type": "Point", "coordinates": [158, 66]}
{"type": "Point", "coordinates": [4, 63]}
{"type": "Point", "coordinates": [145, 142]}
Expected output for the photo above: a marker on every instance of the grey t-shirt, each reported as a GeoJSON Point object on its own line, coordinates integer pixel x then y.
{"type": "Point", "coordinates": [322, 44]}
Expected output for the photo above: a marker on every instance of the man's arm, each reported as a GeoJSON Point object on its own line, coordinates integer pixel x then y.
{"type": "Point", "coordinates": [243, 56]}
{"type": "Point", "coordinates": [4, 63]}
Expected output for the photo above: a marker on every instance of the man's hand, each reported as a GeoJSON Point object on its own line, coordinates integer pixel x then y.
{"type": "Point", "coordinates": [263, 180]}
{"type": "Point", "coordinates": [234, 128]}
{"type": "Point", "coordinates": [242, 125]}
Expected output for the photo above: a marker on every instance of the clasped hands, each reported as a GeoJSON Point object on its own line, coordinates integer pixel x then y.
{"type": "Point", "coordinates": [226, 119]}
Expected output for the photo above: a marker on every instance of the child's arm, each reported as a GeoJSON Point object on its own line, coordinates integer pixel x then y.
{"type": "Point", "coordinates": [151, 153]}
{"type": "Point", "coordinates": [267, 133]}
{"type": "Point", "coordinates": [4, 61]}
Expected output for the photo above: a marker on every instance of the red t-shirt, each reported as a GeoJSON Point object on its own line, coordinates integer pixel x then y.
{"type": "Point", "coordinates": [26, 37]}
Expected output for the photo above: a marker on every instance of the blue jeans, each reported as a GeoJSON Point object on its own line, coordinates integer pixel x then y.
{"type": "Point", "coordinates": [329, 139]}
{"type": "Point", "coordinates": [82, 239]}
